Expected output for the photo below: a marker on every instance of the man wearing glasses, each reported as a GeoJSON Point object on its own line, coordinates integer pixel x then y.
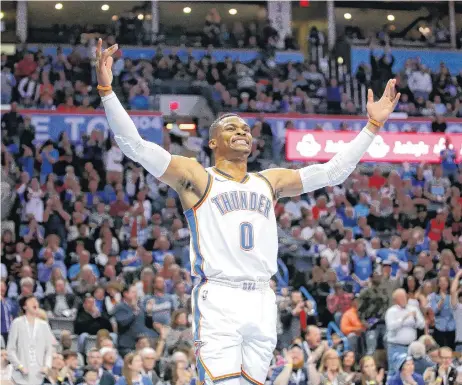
{"type": "Point", "coordinates": [444, 373]}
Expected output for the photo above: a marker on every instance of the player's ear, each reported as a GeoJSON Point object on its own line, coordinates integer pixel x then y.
{"type": "Point", "coordinates": [213, 143]}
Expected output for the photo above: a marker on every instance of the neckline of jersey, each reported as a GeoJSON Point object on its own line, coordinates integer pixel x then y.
{"type": "Point", "coordinates": [230, 177]}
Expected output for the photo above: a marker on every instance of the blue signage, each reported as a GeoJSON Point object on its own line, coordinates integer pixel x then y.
{"type": "Point", "coordinates": [431, 58]}
{"type": "Point", "coordinates": [50, 124]}
{"type": "Point", "coordinates": [243, 55]}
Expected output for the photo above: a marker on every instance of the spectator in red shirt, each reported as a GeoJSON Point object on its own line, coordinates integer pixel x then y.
{"type": "Point", "coordinates": [339, 301]}
{"type": "Point", "coordinates": [320, 209]}
{"type": "Point", "coordinates": [26, 66]}
{"type": "Point", "coordinates": [436, 227]}
{"type": "Point", "coordinates": [68, 106]}
{"type": "Point", "coordinates": [377, 180]}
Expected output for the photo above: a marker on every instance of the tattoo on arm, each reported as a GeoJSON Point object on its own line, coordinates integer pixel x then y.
{"type": "Point", "coordinates": [278, 193]}
{"type": "Point", "coordinates": [185, 184]}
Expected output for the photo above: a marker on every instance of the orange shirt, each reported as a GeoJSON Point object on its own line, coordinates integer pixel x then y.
{"type": "Point", "coordinates": [350, 322]}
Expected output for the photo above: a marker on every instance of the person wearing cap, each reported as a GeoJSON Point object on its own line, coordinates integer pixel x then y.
{"type": "Point", "coordinates": [293, 370]}
{"type": "Point", "coordinates": [402, 321]}
{"type": "Point", "coordinates": [405, 372]}
{"type": "Point", "coordinates": [389, 283]}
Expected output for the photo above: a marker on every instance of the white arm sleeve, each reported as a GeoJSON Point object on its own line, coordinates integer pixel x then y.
{"type": "Point", "coordinates": [150, 155]}
{"type": "Point", "coordinates": [339, 167]}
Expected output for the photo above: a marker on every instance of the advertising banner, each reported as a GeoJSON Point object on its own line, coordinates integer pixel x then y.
{"type": "Point", "coordinates": [50, 124]}
{"type": "Point", "coordinates": [387, 147]}
{"type": "Point", "coordinates": [346, 123]}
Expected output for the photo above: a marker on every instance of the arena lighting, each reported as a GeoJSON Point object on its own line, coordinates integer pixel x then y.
{"type": "Point", "coordinates": [232, 11]}
{"type": "Point", "coordinates": [347, 16]}
{"type": "Point", "coordinates": [182, 126]}
{"type": "Point", "coordinates": [105, 7]}
{"type": "Point", "coordinates": [140, 16]}
{"type": "Point", "coordinates": [58, 6]}
{"type": "Point", "coordinates": [340, 60]}
{"type": "Point", "coordinates": [2, 15]}
{"type": "Point", "coordinates": [186, 10]}
{"type": "Point", "coordinates": [391, 18]}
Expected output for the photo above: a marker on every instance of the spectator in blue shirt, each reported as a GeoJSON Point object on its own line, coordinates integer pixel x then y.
{"type": "Point", "coordinates": [362, 208]}
{"type": "Point", "coordinates": [448, 160]}
{"type": "Point", "coordinates": [131, 258]}
{"type": "Point", "coordinates": [362, 266]}
{"type": "Point", "coordinates": [163, 303]}
{"type": "Point", "coordinates": [405, 372]}
{"type": "Point", "coordinates": [392, 254]}
{"type": "Point", "coordinates": [84, 259]}
{"type": "Point", "coordinates": [445, 326]}
{"type": "Point", "coordinates": [48, 156]}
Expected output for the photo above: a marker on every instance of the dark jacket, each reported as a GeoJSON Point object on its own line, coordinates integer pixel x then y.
{"type": "Point", "coordinates": [131, 325]}
{"type": "Point", "coordinates": [49, 302]}
{"type": "Point", "coordinates": [106, 379]}
{"type": "Point", "coordinates": [85, 323]}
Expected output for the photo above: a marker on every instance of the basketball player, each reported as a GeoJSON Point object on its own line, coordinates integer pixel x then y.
{"type": "Point", "coordinates": [233, 228]}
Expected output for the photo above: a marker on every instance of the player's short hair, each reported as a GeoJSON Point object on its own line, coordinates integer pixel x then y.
{"type": "Point", "coordinates": [216, 123]}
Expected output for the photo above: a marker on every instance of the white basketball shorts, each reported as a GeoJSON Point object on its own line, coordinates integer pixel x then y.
{"type": "Point", "coordinates": [234, 330]}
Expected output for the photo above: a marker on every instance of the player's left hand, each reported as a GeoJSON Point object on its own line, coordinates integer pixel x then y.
{"type": "Point", "coordinates": [381, 109]}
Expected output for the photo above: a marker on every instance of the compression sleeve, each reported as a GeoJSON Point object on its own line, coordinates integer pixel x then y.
{"type": "Point", "coordinates": [150, 155]}
{"type": "Point", "coordinates": [339, 167]}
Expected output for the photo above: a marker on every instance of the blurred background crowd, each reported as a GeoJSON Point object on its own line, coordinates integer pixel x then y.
{"type": "Point", "coordinates": [369, 275]}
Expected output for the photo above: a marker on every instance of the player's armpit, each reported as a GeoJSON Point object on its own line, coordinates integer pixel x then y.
{"type": "Point", "coordinates": [185, 175]}
{"type": "Point", "coordinates": [285, 182]}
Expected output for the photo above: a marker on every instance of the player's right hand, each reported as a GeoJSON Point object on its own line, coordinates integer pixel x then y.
{"type": "Point", "coordinates": [104, 63]}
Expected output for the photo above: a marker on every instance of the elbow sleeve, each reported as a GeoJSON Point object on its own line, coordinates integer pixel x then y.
{"type": "Point", "coordinates": [339, 167]}
{"type": "Point", "coordinates": [150, 155]}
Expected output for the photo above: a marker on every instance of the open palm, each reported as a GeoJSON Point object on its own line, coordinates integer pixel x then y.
{"type": "Point", "coordinates": [104, 63]}
{"type": "Point", "coordinates": [381, 109]}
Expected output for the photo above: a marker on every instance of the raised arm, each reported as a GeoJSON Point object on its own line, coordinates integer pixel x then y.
{"type": "Point", "coordinates": [185, 175]}
{"type": "Point", "coordinates": [288, 183]}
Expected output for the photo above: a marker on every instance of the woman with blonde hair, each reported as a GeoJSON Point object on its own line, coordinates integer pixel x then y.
{"type": "Point", "coordinates": [131, 372]}
{"type": "Point", "coordinates": [369, 373]}
{"type": "Point", "coordinates": [330, 370]}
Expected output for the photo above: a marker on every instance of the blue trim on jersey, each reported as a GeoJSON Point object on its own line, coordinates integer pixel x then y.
{"type": "Point", "coordinates": [197, 319]}
{"type": "Point", "coordinates": [199, 259]}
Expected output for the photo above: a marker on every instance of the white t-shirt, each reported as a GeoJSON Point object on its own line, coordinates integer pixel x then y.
{"type": "Point", "coordinates": [294, 209]}
{"type": "Point", "coordinates": [114, 159]}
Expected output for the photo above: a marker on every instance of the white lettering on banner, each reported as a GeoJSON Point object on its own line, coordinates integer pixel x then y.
{"type": "Point", "coordinates": [308, 146]}
{"type": "Point", "coordinates": [378, 148]}
{"type": "Point", "coordinates": [147, 122]}
{"type": "Point", "coordinates": [99, 123]}
{"type": "Point", "coordinates": [409, 148]}
{"type": "Point", "coordinates": [74, 122]}
{"type": "Point", "coordinates": [41, 124]}
{"type": "Point", "coordinates": [440, 146]}
{"type": "Point", "coordinates": [334, 147]}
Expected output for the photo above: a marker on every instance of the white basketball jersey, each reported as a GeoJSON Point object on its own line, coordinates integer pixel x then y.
{"type": "Point", "coordinates": [233, 229]}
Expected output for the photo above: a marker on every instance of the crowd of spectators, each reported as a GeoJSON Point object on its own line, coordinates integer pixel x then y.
{"type": "Point", "coordinates": [104, 248]}
{"type": "Point", "coordinates": [102, 244]}
{"type": "Point", "coordinates": [65, 83]}
{"type": "Point", "coordinates": [423, 92]}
